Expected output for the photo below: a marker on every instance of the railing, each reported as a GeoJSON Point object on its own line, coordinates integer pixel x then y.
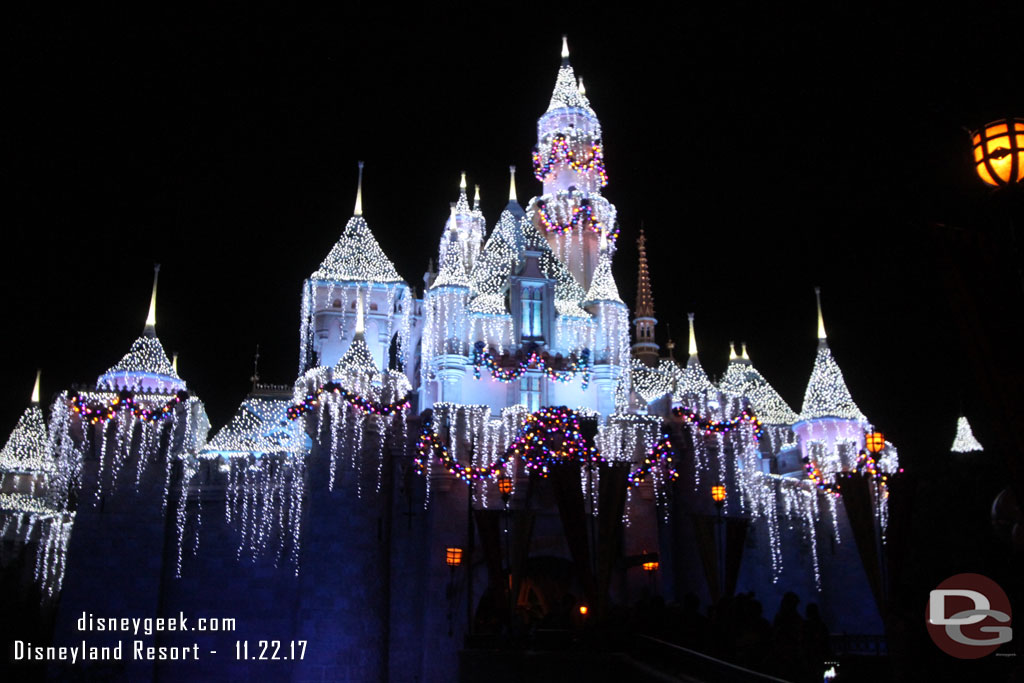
{"type": "Point", "coordinates": [859, 644]}
{"type": "Point", "coordinates": [676, 660]}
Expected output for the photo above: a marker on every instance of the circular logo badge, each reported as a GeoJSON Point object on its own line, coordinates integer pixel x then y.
{"type": "Point", "coordinates": [968, 616]}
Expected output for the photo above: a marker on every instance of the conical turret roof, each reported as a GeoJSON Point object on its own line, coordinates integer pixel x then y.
{"type": "Point", "coordinates": [357, 256]}
{"type": "Point", "coordinates": [827, 394]}
{"type": "Point", "coordinates": [260, 426]}
{"type": "Point", "coordinates": [602, 286]}
{"type": "Point", "coordinates": [965, 442]}
{"type": "Point", "coordinates": [27, 448]}
{"type": "Point", "coordinates": [567, 91]}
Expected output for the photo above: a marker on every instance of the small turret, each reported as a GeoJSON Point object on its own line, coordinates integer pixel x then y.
{"type": "Point", "coordinates": [645, 348]}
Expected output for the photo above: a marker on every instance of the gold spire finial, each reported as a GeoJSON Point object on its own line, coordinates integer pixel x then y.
{"type": "Point", "coordinates": [565, 47]}
{"type": "Point", "coordinates": [512, 184]}
{"type": "Point", "coordinates": [151, 316]}
{"type": "Point", "coordinates": [174, 362]}
{"type": "Point", "coordinates": [693, 337]}
{"type": "Point", "coordinates": [732, 351]}
{"type": "Point", "coordinates": [743, 354]}
{"type": "Point", "coordinates": [462, 182]}
{"type": "Point", "coordinates": [359, 193]}
{"type": "Point", "coordinates": [821, 319]}
{"type": "Point", "coordinates": [582, 90]}
{"type": "Point", "coordinates": [476, 197]}
{"type": "Point", "coordinates": [35, 389]}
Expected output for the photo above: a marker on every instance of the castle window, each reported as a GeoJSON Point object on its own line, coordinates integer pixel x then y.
{"type": "Point", "coordinates": [336, 304]}
{"type": "Point", "coordinates": [529, 391]}
{"type": "Point", "coordinates": [532, 303]}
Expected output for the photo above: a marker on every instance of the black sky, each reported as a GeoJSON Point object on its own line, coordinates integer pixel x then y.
{"type": "Point", "coordinates": [766, 150]}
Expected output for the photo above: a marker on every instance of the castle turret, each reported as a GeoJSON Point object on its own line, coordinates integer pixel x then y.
{"type": "Point", "coordinates": [644, 348]}
{"type": "Point", "coordinates": [145, 367]}
{"type": "Point", "coordinates": [831, 426]}
{"type": "Point", "coordinates": [694, 381]}
{"type": "Point", "coordinates": [569, 160]}
{"type": "Point", "coordinates": [356, 266]}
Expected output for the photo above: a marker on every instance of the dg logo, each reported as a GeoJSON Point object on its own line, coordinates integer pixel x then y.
{"type": "Point", "coordinates": [968, 616]}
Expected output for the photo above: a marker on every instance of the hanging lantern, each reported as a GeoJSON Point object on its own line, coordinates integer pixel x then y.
{"type": "Point", "coordinates": [718, 493]}
{"type": "Point", "coordinates": [999, 152]}
{"type": "Point", "coordinates": [505, 485]}
{"type": "Point", "coordinates": [453, 556]}
{"type": "Point", "coordinates": [650, 566]}
{"type": "Point", "coordinates": [874, 441]}
{"type": "Point", "coordinates": [583, 610]}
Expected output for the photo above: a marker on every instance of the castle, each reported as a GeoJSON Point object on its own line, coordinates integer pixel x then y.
{"type": "Point", "coordinates": [444, 465]}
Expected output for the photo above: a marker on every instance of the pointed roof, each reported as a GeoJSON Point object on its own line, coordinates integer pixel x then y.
{"type": "Point", "coordinates": [357, 256]}
{"type": "Point", "coordinates": [602, 286]}
{"type": "Point", "coordinates": [644, 293]}
{"type": "Point", "coordinates": [452, 269]}
{"type": "Point", "coordinates": [27, 448]}
{"type": "Point", "coordinates": [497, 261]}
{"type": "Point", "coordinates": [827, 394]}
{"type": "Point", "coordinates": [651, 383]}
{"type": "Point", "coordinates": [694, 379]}
{"type": "Point", "coordinates": [260, 426]}
{"type": "Point", "coordinates": [965, 442]}
{"type": "Point", "coordinates": [743, 379]}
{"type": "Point", "coordinates": [567, 92]}
{"type": "Point", "coordinates": [146, 365]}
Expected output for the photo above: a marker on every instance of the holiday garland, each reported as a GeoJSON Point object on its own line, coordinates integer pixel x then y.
{"type": "Point", "coordinates": [429, 445]}
{"type": "Point", "coordinates": [582, 216]}
{"type": "Point", "coordinates": [551, 436]}
{"type": "Point", "coordinates": [355, 400]}
{"type": "Point", "coordinates": [484, 358]}
{"type": "Point", "coordinates": [661, 454]}
{"type": "Point", "coordinates": [866, 465]}
{"type": "Point", "coordinates": [125, 400]}
{"type": "Point", "coordinates": [689, 415]}
{"type": "Point", "coordinates": [561, 150]}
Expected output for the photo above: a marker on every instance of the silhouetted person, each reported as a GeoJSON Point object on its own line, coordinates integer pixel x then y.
{"type": "Point", "coordinates": [788, 628]}
{"type": "Point", "coordinates": [816, 638]}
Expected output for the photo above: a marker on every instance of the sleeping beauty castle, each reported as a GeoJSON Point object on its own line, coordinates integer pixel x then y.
{"type": "Point", "coordinates": [454, 466]}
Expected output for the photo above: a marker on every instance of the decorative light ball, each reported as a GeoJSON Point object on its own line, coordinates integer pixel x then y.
{"type": "Point", "coordinates": [874, 441]}
{"type": "Point", "coordinates": [718, 493]}
{"type": "Point", "coordinates": [999, 152]}
{"type": "Point", "coordinates": [453, 556]}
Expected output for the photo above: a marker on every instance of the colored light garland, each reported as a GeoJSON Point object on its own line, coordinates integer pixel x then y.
{"type": "Point", "coordinates": [125, 400]}
{"type": "Point", "coordinates": [712, 426]}
{"type": "Point", "coordinates": [661, 454]}
{"type": "Point", "coordinates": [358, 401]}
{"type": "Point", "coordinates": [561, 150]}
{"type": "Point", "coordinates": [575, 364]}
{"type": "Point", "coordinates": [551, 436]}
{"type": "Point", "coordinates": [429, 446]}
{"type": "Point", "coordinates": [581, 216]}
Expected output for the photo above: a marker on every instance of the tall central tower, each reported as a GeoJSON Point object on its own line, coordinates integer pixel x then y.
{"type": "Point", "coordinates": [569, 160]}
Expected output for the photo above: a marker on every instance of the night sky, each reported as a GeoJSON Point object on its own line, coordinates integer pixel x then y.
{"type": "Point", "coordinates": [766, 152]}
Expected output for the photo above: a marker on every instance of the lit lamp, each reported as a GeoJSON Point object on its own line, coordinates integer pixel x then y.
{"type": "Point", "coordinates": [505, 487]}
{"type": "Point", "coordinates": [453, 556]}
{"type": "Point", "coordinates": [874, 441]}
{"type": "Point", "coordinates": [999, 152]}
{"type": "Point", "coordinates": [718, 495]}
{"type": "Point", "coordinates": [650, 566]}
{"type": "Point", "coordinates": [583, 610]}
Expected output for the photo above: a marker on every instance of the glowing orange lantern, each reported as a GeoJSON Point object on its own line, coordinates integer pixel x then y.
{"type": "Point", "coordinates": [453, 556]}
{"type": "Point", "coordinates": [505, 485]}
{"type": "Point", "coordinates": [650, 566]}
{"type": "Point", "coordinates": [583, 610]}
{"type": "Point", "coordinates": [718, 493]}
{"type": "Point", "coordinates": [874, 441]}
{"type": "Point", "coordinates": [999, 152]}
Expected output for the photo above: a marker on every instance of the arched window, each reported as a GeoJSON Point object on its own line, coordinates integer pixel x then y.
{"type": "Point", "coordinates": [532, 303]}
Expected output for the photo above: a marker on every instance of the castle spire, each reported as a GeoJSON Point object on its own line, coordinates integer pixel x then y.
{"type": "Point", "coordinates": [822, 337]}
{"type": "Point", "coordinates": [174, 361]}
{"type": "Point", "coordinates": [359, 193]}
{"type": "Point", "coordinates": [567, 92]}
{"type": "Point", "coordinates": [512, 184]}
{"type": "Point", "coordinates": [580, 89]}
{"type": "Point", "coordinates": [565, 49]}
{"type": "Point", "coordinates": [476, 197]}
{"type": "Point", "coordinates": [150, 329]}
{"type": "Point", "coordinates": [462, 205]}
{"type": "Point", "coordinates": [35, 389]}
{"type": "Point", "coordinates": [732, 352]}
{"type": "Point", "coordinates": [743, 354]}
{"type": "Point", "coordinates": [693, 337]}
{"type": "Point", "coordinates": [645, 348]}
